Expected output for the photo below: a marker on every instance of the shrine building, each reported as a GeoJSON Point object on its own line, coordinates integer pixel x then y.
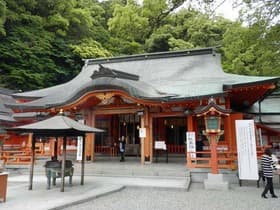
{"type": "Point", "coordinates": [157, 94]}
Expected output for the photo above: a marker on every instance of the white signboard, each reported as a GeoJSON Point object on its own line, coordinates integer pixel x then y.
{"type": "Point", "coordinates": [80, 144]}
{"type": "Point", "coordinates": [191, 143]}
{"type": "Point", "coordinates": [142, 132]}
{"type": "Point", "coordinates": [246, 150]}
{"type": "Point", "coordinates": [160, 145]}
{"type": "Point", "coordinates": [79, 148]}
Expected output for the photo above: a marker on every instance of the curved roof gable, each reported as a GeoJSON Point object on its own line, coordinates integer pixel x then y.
{"type": "Point", "coordinates": [156, 76]}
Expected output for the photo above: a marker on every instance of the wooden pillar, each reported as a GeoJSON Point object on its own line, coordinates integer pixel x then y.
{"type": "Point", "coordinates": [227, 134]}
{"type": "Point", "coordinates": [63, 164]}
{"type": "Point", "coordinates": [214, 159]}
{"type": "Point", "coordinates": [83, 160]}
{"type": "Point", "coordinates": [93, 118]}
{"type": "Point", "coordinates": [148, 133]}
{"type": "Point", "coordinates": [233, 117]}
{"type": "Point", "coordinates": [55, 148]}
{"type": "Point", "coordinates": [3, 184]}
{"type": "Point", "coordinates": [151, 139]}
{"type": "Point", "coordinates": [228, 140]}
{"type": "Point", "coordinates": [142, 140]}
{"type": "Point", "coordinates": [89, 140]}
{"type": "Point", "coordinates": [29, 141]}
{"type": "Point", "coordinates": [227, 105]}
{"type": "Point", "coordinates": [32, 162]}
{"type": "Point", "coordinates": [59, 143]}
{"type": "Point", "coordinates": [190, 126]}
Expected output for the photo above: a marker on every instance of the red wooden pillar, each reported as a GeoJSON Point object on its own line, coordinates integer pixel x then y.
{"type": "Point", "coordinates": [190, 126]}
{"type": "Point", "coordinates": [90, 138]}
{"type": "Point", "coordinates": [147, 139]}
{"type": "Point", "coordinates": [151, 138]}
{"type": "Point", "coordinates": [214, 159]}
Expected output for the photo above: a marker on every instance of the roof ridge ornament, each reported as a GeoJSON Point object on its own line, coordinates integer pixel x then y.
{"type": "Point", "coordinates": [211, 100]}
{"type": "Point", "coordinates": [108, 72]}
{"type": "Point", "coordinates": [212, 108]}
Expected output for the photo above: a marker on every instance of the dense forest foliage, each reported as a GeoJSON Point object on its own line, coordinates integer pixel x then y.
{"type": "Point", "coordinates": [43, 42]}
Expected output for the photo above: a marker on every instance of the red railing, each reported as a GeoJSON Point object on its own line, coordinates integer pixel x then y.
{"type": "Point", "coordinates": [105, 150]}
{"type": "Point", "coordinates": [171, 148]}
{"type": "Point", "coordinates": [174, 148]}
{"type": "Point", "coordinates": [226, 160]}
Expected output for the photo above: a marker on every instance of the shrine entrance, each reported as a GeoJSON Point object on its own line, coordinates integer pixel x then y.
{"type": "Point", "coordinates": [172, 131]}
{"type": "Point", "coordinates": [116, 126]}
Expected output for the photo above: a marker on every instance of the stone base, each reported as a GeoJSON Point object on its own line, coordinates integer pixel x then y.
{"type": "Point", "coordinates": [215, 182]}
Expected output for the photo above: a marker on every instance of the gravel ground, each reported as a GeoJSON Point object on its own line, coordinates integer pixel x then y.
{"type": "Point", "coordinates": [245, 197]}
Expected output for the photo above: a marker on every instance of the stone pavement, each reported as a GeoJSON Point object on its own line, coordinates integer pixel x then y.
{"type": "Point", "coordinates": [170, 183]}
{"type": "Point", "coordinates": [101, 178]}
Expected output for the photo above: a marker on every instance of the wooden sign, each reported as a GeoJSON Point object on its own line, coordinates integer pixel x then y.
{"type": "Point", "coordinates": [142, 132]}
{"type": "Point", "coordinates": [191, 143]}
{"type": "Point", "coordinates": [160, 145]}
{"type": "Point", "coordinates": [246, 150]}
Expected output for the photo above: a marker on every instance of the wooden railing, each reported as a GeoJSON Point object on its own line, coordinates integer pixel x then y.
{"type": "Point", "coordinates": [42, 149]}
{"type": "Point", "coordinates": [16, 157]}
{"type": "Point", "coordinates": [105, 150]}
{"type": "Point", "coordinates": [171, 148]}
{"type": "Point", "coordinates": [174, 148]}
{"type": "Point", "coordinates": [226, 160]}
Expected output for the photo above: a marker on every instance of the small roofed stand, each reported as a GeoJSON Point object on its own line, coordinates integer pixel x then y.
{"type": "Point", "coordinates": [57, 126]}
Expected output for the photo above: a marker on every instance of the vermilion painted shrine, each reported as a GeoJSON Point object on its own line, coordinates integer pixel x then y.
{"type": "Point", "coordinates": [159, 92]}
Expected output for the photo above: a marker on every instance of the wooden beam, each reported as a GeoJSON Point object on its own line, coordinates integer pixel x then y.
{"type": "Point", "coordinates": [117, 110]}
{"type": "Point", "coordinates": [83, 161]}
{"type": "Point", "coordinates": [63, 165]}
{"type": "Point", "coordinates": [32, 162]}
{"type": "Point", "coordinates": [168, 114]}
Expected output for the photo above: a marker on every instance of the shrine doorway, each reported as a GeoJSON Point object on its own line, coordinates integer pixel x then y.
{"type": "Point", "coordinates": [171, 130]}
{"type": "Point", "coordinates": [116, 126]}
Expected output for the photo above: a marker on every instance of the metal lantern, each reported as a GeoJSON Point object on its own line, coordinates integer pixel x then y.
{"type": "Point", "coordinates": [212, 124]}
{"type": "Point", "coordinates": [212, 114]}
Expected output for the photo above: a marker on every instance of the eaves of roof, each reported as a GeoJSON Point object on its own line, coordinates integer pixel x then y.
{"type": "Point", "coordinates": [129, 88]}
{"type": "Point", "coordinates": [7, 118]}
{"type": "Point", "coordinates": [149, 56]}
{"type": "Point", "coordinates": [269, 129]}
{"type": "Point", "coordinates": [260, 82]}
{"type": "Point", "coordinates": [167, 76]}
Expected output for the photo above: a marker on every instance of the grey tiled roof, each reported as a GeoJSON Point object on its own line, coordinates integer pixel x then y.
{"type": "Point", "coordinates": [5, 113]}
{"type": "Point", "coordinates": [6, 118]}
{"type": "Point", "coordinates": [268, 106]}
{"type": "Point", "coordinates": [270, 112]}
{"type": "Point", "coordinates": [162, 76]}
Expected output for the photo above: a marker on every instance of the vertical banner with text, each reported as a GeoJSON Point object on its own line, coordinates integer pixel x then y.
{"type": "Point", "coordinates": [246, 150]}
{"type": "Point", "coordinates": [191, 143]}
{"type": "Point", "coordinates": [80, 144]}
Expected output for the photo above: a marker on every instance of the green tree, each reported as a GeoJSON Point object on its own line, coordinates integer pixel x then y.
{"type": "Point", "coordinates": [31, 56]}
{"type": "Point", "coordinates": [248, 51]}
{"type": "Point", "coordinates": [158, 10]}
{"type": "Point", "coordinates": [43, 41]}
{"type": "Point", "coordinates": [3, 10]}
{"type": "Point", "coordinates": [127, 23]}
{"type": "Point", "coordinates": [89, 48]}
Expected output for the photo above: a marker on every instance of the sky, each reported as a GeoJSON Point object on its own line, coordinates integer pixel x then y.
{"type": "Point", "coordinates": [226, 10]}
